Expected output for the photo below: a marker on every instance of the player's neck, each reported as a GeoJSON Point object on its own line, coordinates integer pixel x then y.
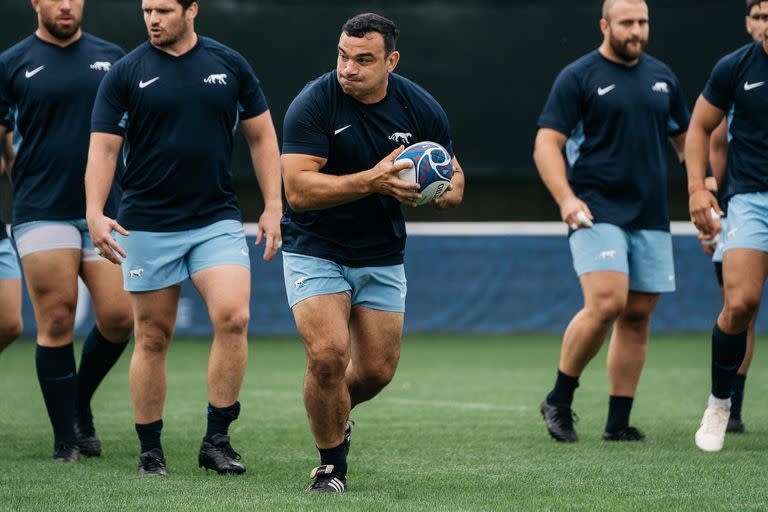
{"type": "Point", "coordinates": [607, 52]}
{"type": "Point", "coordinates": [181, 46]}
{"type": "Point", "coordinates": [43, 34]}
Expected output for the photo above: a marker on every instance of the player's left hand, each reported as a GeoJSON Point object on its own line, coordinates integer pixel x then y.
{"type": "Point", "coordinates": [708, 243]}
{"type": "Point", "coordinates": [269, 229]}
{"type": "Point", "coordinates": [701, 204]}
{"type": "Point", "coordinates": [449, 199]}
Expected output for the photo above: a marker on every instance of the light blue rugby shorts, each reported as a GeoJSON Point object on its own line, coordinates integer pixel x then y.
{"type": "Point", "coordinates": [644, 255]}
{"type": "Point", "coordinates": [9, 262]}
{"type": "Point", "coordinates": [380, 288]}
{"type": "Point", "coordinates": [747, 222]}
{"type": "Point", "coordinates": [157, 260]}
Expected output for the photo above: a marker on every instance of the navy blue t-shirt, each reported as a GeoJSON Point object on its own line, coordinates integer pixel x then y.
{"type": "Point", "coordinates": [178, 115]}
{"type": "Point", "coordinates": [49, 91]}
{"type": "Point", "coordinates": [325, 122]}
{"type": "Point", "coordinates": [618, 119]}
{"type": "Point", "coordinates": [739, 83]}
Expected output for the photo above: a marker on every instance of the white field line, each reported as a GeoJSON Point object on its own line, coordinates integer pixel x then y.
{"type": "Point", "coordinates": [411, 402]}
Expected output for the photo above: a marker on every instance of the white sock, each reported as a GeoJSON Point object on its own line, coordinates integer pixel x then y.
{"type": "Point", "coordinates": [724, 403]}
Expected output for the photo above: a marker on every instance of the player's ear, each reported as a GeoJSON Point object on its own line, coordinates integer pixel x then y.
{"type": "Point", "coordinates": [604, 26]}
{"type": "Point", "coordinates": [36, 5]}
{"type": "Point", "coordinates": [392, 61]}
{"type": "Point", "coordinates": [191, 13]}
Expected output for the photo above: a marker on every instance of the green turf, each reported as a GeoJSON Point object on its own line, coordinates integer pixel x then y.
{"type": "Point", "coordinates": [458, 429]}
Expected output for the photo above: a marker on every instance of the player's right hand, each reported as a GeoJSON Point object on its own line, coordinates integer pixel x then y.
{"type": "Point", "coordinates": [386, 179]}
{"type": "Point", "coordinates": [573, 212]}
{"type": "Point", "coordinates": [100, 228]}
{"type": "Point", "coordinates": [701, 204]}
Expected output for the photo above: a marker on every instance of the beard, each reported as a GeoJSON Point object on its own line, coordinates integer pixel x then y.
{"type": "Point", "coordinates": [623, 51]}
{"type": "Point", "coordinates": [60, 32]}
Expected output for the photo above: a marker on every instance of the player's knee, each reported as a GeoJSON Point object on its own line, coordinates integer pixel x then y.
{"type": "Point", "coordinates": [378, 378]}
{"type": "Point", "coordinates": [153, 339]}
{"type": "Point", "coordinates": [58, 322]}
{"type": "Point", "coordinates": [327, 366]}
{"type": "Point", "coordinates": [607, 309]}
{"type": "Point", "coordinates": [232, 322]}
{"type": "Point", "coordinates": [741, 309]}
{"type": "Point", "coordinates": [636, 318]}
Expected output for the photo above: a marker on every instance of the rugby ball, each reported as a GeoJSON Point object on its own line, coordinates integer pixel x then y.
{"type": "Point", "coordinates": [431, 168]}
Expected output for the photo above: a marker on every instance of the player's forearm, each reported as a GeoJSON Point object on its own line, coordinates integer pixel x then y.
{"type": "Point", "coordinates": [266, 163]}
{"type": "Point", "coordinates": [552, 169]}
{"type": "Point", "coordinates": [309, 190]}
{"type": "Point", "coordinates": [99, 175]}
{"type": "Point", "coordinates": [718, 158]}
{"type": "Point", "coordinates": [696, 152]}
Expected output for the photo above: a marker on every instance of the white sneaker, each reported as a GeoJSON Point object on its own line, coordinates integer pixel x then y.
{"type": "Point", "coordinates": [711, 435]}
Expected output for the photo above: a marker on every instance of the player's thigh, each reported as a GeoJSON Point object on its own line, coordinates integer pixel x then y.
{"type": "Point", "coordinates": [104, 281]}
{"type": "Point", "coordinates": [605, 292]}
{"type": "Point", "coordinates": [376, 337]}
{"type": "Point", "coordinates": [226, 290]}
{"type": "Point", "coordinates": [651, 263]}
{"type": "Point", "coordinates": [323, 323]}
{"type": "Point", "coordinates": [10, 298]}
{"type": "Point", "coordinates": [744, 274]}
{"type": "Point", "coordinates": [155, 317]}
{"type": "Point", "coordinates": [51, 278]}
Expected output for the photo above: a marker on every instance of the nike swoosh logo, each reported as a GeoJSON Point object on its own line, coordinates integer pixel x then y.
{"type": "Point", "coordinates": [30, 74]}
{"type": "Point", "coordinates": [748, 86]}
{"type": "Point", "coordinates": [602, 91]}
{"type": "Point", "coordinates": [341, 129]}
{"type": "Point", "coordinates": [143, 84]}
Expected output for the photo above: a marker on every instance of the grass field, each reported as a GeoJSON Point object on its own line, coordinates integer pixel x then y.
{"type": "Point", "coordinates": [458, 429]}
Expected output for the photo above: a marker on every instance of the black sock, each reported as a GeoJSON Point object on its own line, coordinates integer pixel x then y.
{"type": "Point", "coordinates": [149, 435]}
{"type": "Point", "coordinates": [619, 408]}
{"type": "Point", "coordinates": [562, 393]}
{"type": "Point", "coordinates": [737, 395]}
{"type": "Point", "coordinates": [335, 456]}
{"type": "Point", "coordinates": [56, 374]}
{"type": "Point", "coordinates": [99, 356]}
{"type": "Point", "coordinates": [728, 352]}
{"type": "Point", "coordinates": [219, 419]}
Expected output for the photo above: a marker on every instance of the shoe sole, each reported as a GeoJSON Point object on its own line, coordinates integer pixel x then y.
{"type": "Point", "coordinates": [234, 471]}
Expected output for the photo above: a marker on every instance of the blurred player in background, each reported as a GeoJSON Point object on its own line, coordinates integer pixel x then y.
{"type": "Point", "coordinates": [181, 211]}
{"type": "Point", "coordinates": [739, 82]}
{"type": "Point", "coordinates": [344, 233]}
{"type": "Point", "coordinates": [49, 81]}
{"type": "Point", "coordinates": [10, 273]}
{"type": "Point", "coordinates": [713, 245]}
{"type": "Point", "coordinates": [613, 111]}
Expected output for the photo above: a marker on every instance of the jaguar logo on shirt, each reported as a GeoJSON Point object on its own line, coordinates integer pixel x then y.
{"type": "Point", "coordinates": [661, 87]}
{"type": "Point", "coordinates": [101, 66]}
{"type": "Point", "coordinates": [220, 79]}
{"type": "Point", "coordinates": [401, 138]}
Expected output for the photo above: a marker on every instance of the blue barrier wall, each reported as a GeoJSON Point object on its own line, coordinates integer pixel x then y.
{"type": "Point", "coordinates": [482, 284]}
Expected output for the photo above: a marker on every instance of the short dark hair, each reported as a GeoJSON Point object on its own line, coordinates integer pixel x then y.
{"type": "Point", "coordinates": [362, 24]}
{"type": "Point", "coordinates": [751, 4]}
{"type": "Point", "coordinates": [186, 4]}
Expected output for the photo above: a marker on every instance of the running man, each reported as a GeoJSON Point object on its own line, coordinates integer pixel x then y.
{"type": "Point", "coordinates": [737, 82]}
{"type": "Point", "coordinates": [48, 82]}
{"type": "Point", "coordinates": [175, 100]}
{"type": "Point", "coordinates": [613, 111]}
{"type": "Point", "coordinates": [344, 233]}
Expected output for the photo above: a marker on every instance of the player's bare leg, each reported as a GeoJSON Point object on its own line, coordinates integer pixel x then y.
{"type": "Point", "coordinates": [10, 314]}
{"type": "Point", "coordinates": [374, 351]}
{"type": "Point", "coordinates": [104, 344]}
{"type": "Point", "coordinates": [735, 422]}
{"type": "Point", "coordinates": [52, 283]}
{"type": "Point", "coordinates": [154, 323]}
{"type": "Point", "coordinates": [744, 274]}
{"type": "Point", "coordinates": [605, 296]}
{"type": "Point", "coordinates": [226, 291]}
{"type": "Point", "coordinates": [626, 356]}
{"type": "Point", "coordinates": [323, 322]}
